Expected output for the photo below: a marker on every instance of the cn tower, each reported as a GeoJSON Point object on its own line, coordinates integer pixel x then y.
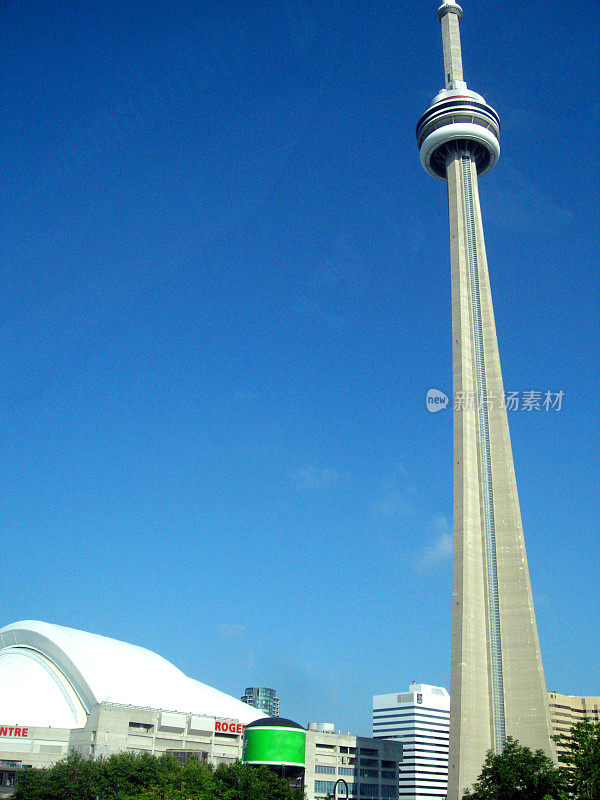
{"type": "Point", "coordinates": [497, 678]}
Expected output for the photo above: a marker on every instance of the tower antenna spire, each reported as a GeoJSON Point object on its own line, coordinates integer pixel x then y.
{"type": "Point", "coordinates": [449, 14]}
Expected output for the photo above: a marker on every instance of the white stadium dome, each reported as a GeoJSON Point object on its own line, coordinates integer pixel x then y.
{"type": "Point", "coordinates": [51, 676]}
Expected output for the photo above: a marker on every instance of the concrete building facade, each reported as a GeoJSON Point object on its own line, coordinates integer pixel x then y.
{"type": "Point", "coordinates": [369, 766]}
{"type": "Point", "coordinates": [497, 679]}
{"type": "Point", "coordinates": [566, 710]}
{"type": "Point", "coordinates": [419, 719]}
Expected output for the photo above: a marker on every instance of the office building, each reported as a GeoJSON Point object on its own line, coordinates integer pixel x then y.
{"type": "Point", "coordinates": [497, 679]}
{"type": "Point", "coordinates": [566, 710]}
{"type": "Point", "coordinates": [368, 766]}
{"type": "Point", "coordinates": [419, 719]}
{"type": "Point", "coordinates": [262, 698]}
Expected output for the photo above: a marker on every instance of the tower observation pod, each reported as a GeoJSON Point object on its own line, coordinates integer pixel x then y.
{"type": "Point", "coordinates": [459, 121]}
{"type": "Point", "coordinates": [497, 679]}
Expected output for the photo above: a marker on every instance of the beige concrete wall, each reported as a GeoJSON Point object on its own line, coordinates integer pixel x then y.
{"type": "Point", "coordinates": [566, 710]}
{"type": "Point", "coordinates": [340, 752]}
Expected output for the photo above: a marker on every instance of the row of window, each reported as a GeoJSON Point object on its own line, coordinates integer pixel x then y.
{"type": "Point", "coordinates": [427, 738]}
{"type": "Point", "coordinates": [327, 786]}
{"type": "Point", "coordinates": [411, 721]}
{"type": "Point", "coordinates": [322, 769]}
{"type": "Point", "coordinates": [356, 790]}
{"type": "Point", "coordinates": [411, 710]}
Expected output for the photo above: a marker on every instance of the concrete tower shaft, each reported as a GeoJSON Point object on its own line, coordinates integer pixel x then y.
{"type": "Point", "coordinates": [497, 678]}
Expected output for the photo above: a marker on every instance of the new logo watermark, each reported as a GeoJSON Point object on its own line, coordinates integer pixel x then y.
{"type": "Point", "coordinates": [436, 400]}
{"type": "Point", "coordinates": [530, 400]}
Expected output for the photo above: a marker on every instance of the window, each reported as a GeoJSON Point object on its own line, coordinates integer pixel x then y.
{"type": "Point", "coordinates": [368, 773]}
{"type": "Point", "coordinates": [142, 726]}
{"type": "Point", "coordinates": [7, 778]}
{"type": "Point", "coordinates": [341, 791]}
{"type": "Point", "coordinates": [324, 786]}
{"type": "Point", "coordinates": [321, 769]}
{"type": "Point", "coordinates": [369, 790]}
{"type": "Point", "coordinates": [390, 774]}
{"type": "Point", "coordinates": [389, 791]}
{"type": "Point", "coordinates": [347, 771]}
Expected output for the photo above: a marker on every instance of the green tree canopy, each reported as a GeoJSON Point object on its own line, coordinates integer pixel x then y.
{"type": "Point", "coordinates": [517, 773]}
{"type": "Point", "coordinates": [128, 776]}
{"type": "Point", "coordinates": [582, 761]}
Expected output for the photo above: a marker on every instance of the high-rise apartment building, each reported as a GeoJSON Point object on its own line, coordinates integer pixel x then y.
{"type": "Point", "coordinates": [497, 679]}
{"type": "Point", "coordinates": [262, 698]}
{"type": "Point", "coordinates": [566, 710]}
{"type": "Point", "coordinates": [419, 719]}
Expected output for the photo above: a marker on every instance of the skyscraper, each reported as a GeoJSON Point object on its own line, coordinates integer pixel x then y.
{"type": "Point", "coordinates": [419, 719]}
{"type": "Point", "coordinates": [497, 679]}
{"type": "Point", "coordinates": [263, 698]}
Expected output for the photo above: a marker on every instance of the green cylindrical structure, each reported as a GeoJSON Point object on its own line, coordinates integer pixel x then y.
{"type": "Point", "coordinates": [275, 741]}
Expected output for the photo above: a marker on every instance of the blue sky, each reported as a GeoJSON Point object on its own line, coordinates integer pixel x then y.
{"type": "Point", "coordinates": [226, 292]}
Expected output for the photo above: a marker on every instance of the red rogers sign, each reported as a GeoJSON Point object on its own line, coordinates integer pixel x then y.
{"type": "Point", "coordinates": [12, 731]}
{"type": "Point", "coordinates": [228, 727]}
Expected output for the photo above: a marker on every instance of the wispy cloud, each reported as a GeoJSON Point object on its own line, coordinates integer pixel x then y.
{"type": "Point", "coordinates": [394, 496]}
{"type": "Point", "coordinates": [230, 630]}
{"type": "Point", "coordinates": [439, 549]}
{"type": "Point", "coordinates": [313, 478]}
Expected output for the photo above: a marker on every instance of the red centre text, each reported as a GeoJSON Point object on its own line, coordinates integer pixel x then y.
{"type": "Point", "coordinates": [6, 731]}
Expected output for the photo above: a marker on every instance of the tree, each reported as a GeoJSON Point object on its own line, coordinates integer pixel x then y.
{"type": "Point", "coordinates": [73, 778]}
{"type": "Point", "coordinates": [243, 782]}
{"type": "Point", "coordinates": [582, 759]}
{"type": "Point", "coordinates": [517, 773]}
{"type": "Point", "coordinates": [129, 776]}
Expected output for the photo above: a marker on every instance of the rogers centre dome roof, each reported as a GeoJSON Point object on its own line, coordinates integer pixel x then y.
{"type": "Point", "coordinates": [52, 676]}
